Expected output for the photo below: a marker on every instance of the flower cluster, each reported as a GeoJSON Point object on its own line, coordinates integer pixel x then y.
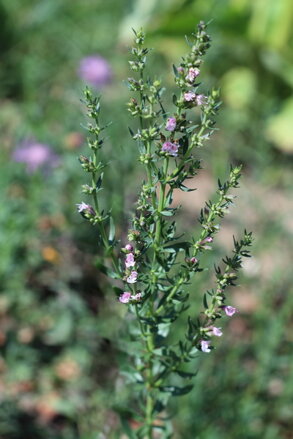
{"type": "Point", "coordinates": [209, 331]}
{"type": "Point", "coordinates": [170, 148]}
{"type": "Point", "coordinates": [130, 263]}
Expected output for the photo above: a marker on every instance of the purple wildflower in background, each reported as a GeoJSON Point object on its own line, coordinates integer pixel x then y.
{"type": "Point", "coordinates": [171, 124]}
{"type": "Point", "coordinates": [171, 148]}
{"type": "Point", "coordinates": [132, 278]}
{"type": "Point", "coordinates": [95, 70]}
{"type": "Point", "coordinates": [125, 297]}
{"type": "Point", "coordinates": [35, 155]}
{"type": "Point", "coordinates": [136, 297]}
{"type": "Point", "coordinates": [230, 310]}
{"type": "Point", "coordinates": [205, 346]}
{"type": "Point", "coordinates": [129, 247]}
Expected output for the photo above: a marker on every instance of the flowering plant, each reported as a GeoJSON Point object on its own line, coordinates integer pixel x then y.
{"type": "Point", "coordinates": [155, 267]}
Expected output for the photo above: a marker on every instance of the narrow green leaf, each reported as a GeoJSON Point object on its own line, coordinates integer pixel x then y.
{"type": "Point", "coordinates": [111, 230]}
{"type": "Point", "coordinates": [177, 391]}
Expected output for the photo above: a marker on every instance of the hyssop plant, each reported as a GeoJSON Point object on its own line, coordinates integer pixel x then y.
{"type": "Point", "coordinates": [155, 267]}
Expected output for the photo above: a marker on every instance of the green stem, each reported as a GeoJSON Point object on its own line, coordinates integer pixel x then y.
{"type": "Point", "coordinates": [161, 203]}
{"type": "Point", "coordinates": [149, 416]}
{"type": "Point", "coordinates": [109, 249]}
{"type": "Point", "coordinates": [171, 294]}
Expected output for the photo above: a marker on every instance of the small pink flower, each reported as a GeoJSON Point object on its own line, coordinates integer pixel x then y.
{"type": "Point", "coordinates": [207, 239]}
{"type": "Point", "coordinates": [230, 310]}
{"type": "Point", "coordinates": [171, 148]}
{"type": "Point", "coordinates": [171, 124]}
{"type": "Point", "coordinates": [129, 247]}
{"type": "Point", "coordinates": [200, 99]}
{"type": "Point", "coordinates": [193, 260]}
{"type": "Point", "coordinates": [189, 96]}
{"type": "Point", "coordinates": [213, 330]}
{"type": "Point", "coordinates": [129, 260]}
{"type": "Point", "coordinates": [86, 209]}
{"type": "Point", "coordinates": [136, 297]}
{"type": "Point", "coordinates": [132, 278]}
{"type": "Point", "coordinates": [205, 346]}
{"type": "Point", "coordinates": [125, 297]}
{"type": "Point", "coordinates": [193, 73]}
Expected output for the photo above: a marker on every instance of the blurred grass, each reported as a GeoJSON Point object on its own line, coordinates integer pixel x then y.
{"type": "Point", "coordinates": [60, 328]}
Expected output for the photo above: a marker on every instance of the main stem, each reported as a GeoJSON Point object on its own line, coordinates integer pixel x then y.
{"type": "Point", "coordinates": [109, 249]}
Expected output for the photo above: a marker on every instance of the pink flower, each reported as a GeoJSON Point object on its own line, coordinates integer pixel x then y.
{"type": "Point", "coordinates": [189, 96]}
{"type": "Point", "coordinates": [136, 297]}
{"type": "Point", "coordinates": [35, 155]}
{"type": "Point", "coordinates": [213, 330]}
{"type": "Point", "coordinates": [193, 260]}
{"type": "Point", "coordinates": [95, 70]}
{"type": "Point", "coordinates": [171, 148]}
{"type": "Point", "coordinates": [129, 260]}
{"type": "Point", "coordinates": [230, 310]}
{"type": "Point", "coordinates": [86, 209]}
{"type": "Point", "coordinates": [200, 99]}
{"type": "Point", "coordinates": [193, 73]}
{"type": "Point", "coordinates": [125, 297]}
{"type": "Point", "coordinates": [129, 247]}
{"type": "Point", "coordinates": [82, 206]}
{"type": "Point", "coordinates": [132, 278]}
{"type": "Point", "coordinates": [205, 346]}
{"type": "Point", "coordinates": [171, 124]}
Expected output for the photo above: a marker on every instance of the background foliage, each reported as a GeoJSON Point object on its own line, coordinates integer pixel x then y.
{"type": "Point", "coordinates": [59, 326]}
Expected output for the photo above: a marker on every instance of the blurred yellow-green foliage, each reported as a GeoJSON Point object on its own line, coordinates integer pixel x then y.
{"type": "Point", "coordinates": [59, 324]}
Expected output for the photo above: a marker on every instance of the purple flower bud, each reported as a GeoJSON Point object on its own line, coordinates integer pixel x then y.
{"type": "Point", "coordinates": [171, 148]}
{"type": "Point", "coordinates": [193, 260]}
{"type": "Point", "coordinates": [129, 260]}
{"type": "Point", "coordinates": [171, 124]}
{"type": "Point", "coordinates": [125, 297]}
{"type": "Point", "coordinates": [193, 73]}
{"type": "Point", "coordinates": [205, 345]}
{"type": "Point", "coordinates": [129, 247]}
{"type": "Point", "coordinates": [95, 70]}
{"type": "Point", "coordinates": [189, 96]}
{"type": "Point", "coordinates": [35, 155]}
{"type": "Point", "coordinates": [132, 278]}
{"type": "Point", "coordinates": [230, 310]}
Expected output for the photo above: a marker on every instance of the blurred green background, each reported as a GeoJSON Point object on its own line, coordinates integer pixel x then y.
{"type": "Point", "coordinates": [59, 323]}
